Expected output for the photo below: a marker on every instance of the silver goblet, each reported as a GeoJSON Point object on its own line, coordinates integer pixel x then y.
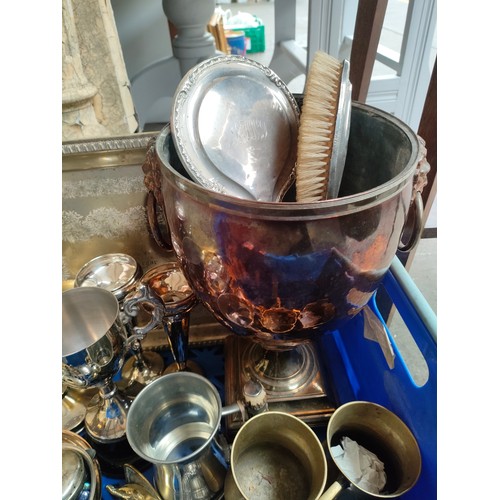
{"type": "Point", "coordinates": [93, 344]}
{"type": "Point", "coordinates": [165, 293]}
{"type": "Point", "coordinates": [120, 273]}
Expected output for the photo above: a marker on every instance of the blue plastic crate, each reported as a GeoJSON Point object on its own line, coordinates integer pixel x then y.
{"type": "Point", "coordinates": [356, 369]}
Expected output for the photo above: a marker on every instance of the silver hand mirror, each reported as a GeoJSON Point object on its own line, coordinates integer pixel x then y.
{"type": "Point", "coordinates": [235, 128]}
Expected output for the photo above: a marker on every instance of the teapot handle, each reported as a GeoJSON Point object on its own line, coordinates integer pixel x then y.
{"type": "Point", "coordinates": [419, 182]}
{"type": "Point", "coordinates": [154, 200]}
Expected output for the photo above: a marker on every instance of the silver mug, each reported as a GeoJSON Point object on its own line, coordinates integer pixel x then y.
{"type": "Point", "coordinates": [174, 423]}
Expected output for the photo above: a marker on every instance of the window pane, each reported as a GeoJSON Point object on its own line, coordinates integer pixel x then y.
{"type": "Point", "coordinates": [381, 69]}
{"type": "Point", "coordinates": [301, 22]}
{"type": "Point", "coordinates": [391, 37]}
{"type": "Point", "coordinates": [394, 25]}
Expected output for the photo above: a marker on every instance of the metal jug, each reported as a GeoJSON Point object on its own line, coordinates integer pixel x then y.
{"type": "Point", "coordinates": [174, 423]}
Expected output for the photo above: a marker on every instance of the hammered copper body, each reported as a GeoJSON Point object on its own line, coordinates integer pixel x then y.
{"type": "Point", "coordinates": [282, 273]}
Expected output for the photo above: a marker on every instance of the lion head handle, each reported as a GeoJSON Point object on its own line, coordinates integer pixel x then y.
{"type": "Point", "coordinates": [155, 206]}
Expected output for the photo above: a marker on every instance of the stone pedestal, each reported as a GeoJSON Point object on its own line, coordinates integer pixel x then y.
{"type": "Point", "coordinates": [192, 42]}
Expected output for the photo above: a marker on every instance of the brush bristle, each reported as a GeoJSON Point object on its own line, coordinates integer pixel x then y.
{"type": "Point", "coordinates": [317, 127]}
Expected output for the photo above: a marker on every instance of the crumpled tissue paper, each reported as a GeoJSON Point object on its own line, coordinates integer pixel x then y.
{"type": "Point", "coordinates": [359, 465]}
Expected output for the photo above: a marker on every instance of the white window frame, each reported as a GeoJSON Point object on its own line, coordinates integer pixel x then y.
{"type": "Point", "coordinates": [331, 28]}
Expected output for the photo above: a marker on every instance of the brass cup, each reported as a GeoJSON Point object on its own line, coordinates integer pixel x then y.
{"type": "Point", "coordinates": [276, 455]}
{"type": "Point", "coordinates": [382, 432]}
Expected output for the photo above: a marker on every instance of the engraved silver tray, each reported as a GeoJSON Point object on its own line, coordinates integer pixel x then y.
{"type": "Point", "coordinates": [103, 211]}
